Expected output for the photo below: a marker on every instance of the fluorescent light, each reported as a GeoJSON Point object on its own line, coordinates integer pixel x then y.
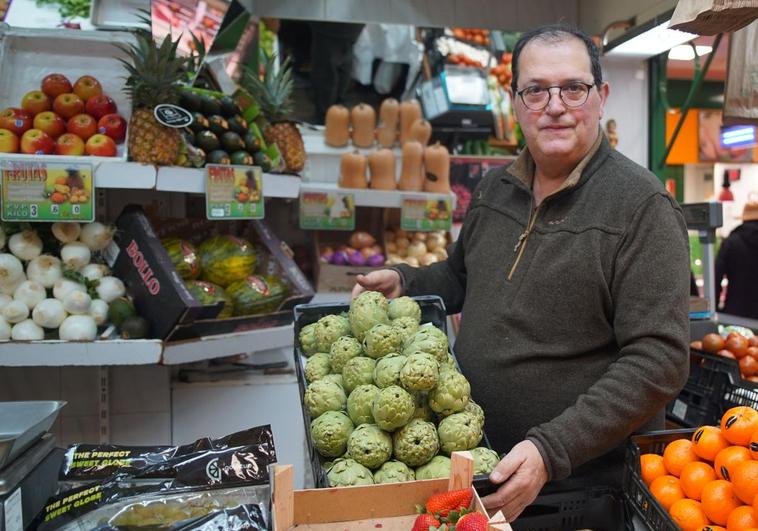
{"type": "Point", "coordinates": [684, 52]}
{"type": "Point", "coordinates": [738, 136]}
{"type": "Point", "coordinates": [649, 43]}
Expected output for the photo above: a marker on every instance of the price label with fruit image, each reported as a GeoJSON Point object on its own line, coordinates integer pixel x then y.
{"type": "Point", "coordinates": [423, 214]}
{"type": "Point", "coordinates": [34, 191]}
{"type": "Point", "coordinates": [233, 192]}
{"type": "Point", "coordinates": [327, 211]}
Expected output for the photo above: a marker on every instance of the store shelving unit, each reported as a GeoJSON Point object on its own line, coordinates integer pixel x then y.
{"type": "Point", "coordinates": [74, 353]}
{"type": "Point", "coordinates": [192, 180]}
{"type": "Point", "coordinates": [373, 198]}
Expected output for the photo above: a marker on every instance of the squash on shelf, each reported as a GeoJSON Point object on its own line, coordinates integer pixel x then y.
{"type": "Point", "coordinates": [412, 173]}
{"type": "Point", "coordinates": [381, 164]}
{"type": "Point", "coordinates": [410, 111]}
{"type": "Point", "coordinates": [337, 131]}
{"type": "Point", "coordinates": [421, 130]}
{"type": "Point", "coordinates": [353, 170]}
{"type": "Point", "coordinates": [437, 166]}
{"type": "Point", "coordinates": [389, 115]}
{"type": "Point", "coordinates": [363, 118]}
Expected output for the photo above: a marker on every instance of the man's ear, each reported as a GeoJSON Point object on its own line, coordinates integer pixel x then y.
{"type": "Point", "coordinates": [604, 90]}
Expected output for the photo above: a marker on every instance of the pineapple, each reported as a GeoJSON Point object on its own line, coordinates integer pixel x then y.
{"type": "Point", "coordinates": [154, 72]}
{"type": "Point", "coordinates": [274, 96]}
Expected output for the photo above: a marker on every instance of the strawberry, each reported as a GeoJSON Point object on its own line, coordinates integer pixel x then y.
{"type": "Point", "coordinates": [445, 502]}
{"type": "Point", "coordinates": [424, 522]}
{"type": "Point", "coordinates": [472, 522]}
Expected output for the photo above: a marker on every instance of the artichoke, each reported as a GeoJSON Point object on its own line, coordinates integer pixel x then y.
{"type": "Point", "coordinates": [387, 370]}
{"type": "Point", "coordinates": [307, 338]}
{"type": "Point", "coordinates": [423, 411]}
{"type": "Point", "coordinates": [485, 460]}
{"type": "Point", "coordinates": [420, 372]}
{"type": "Point", "coordinates": [430, 340]}
{"type": "Point", "coordinates": [330, 432]}
{"type": "Point", "coordinates": [336, 378]}
{"type": "Point", "coordinates": [317, 367]}
{"type": "Point", "coordinates": [367, 310]}
{"type": "Point", "coordinates": [322, 396]}
{"type": "Point", "coordinates": [381, 340]}
{"type": "Point", "coordinates": [393, 472]}
{"type": "Point", "coordinates": [369, 445]}
{"type": "Point", "coordinates": [328, 329]}
{"type": "Point", "coordinates": [475, 410]}
{"type": "Point", "coordinates": [358, 371]}
{"type": "Point", "coordinates": [451, 394]}
{"type": "Point", "coordinates": [347, 472]}
{"type": "Point", "coordinates": [359, 404]}
{"type": "Point", "coordinates": [393, 407]}
{"type": "Point", "coordinates": [438, 467]}
{"type": "Point", "coordinates": [449, 364]}
{"type": "Point", "coordinates": [406, 327]}
{"type": "Point", "coordinates": [416, 442]}
{"type": "Point", "coordinates": [343, 350]}
{"type": "Point", "coordinates": [458, 432]}
{"type": "Point", "coordinates": [404, 307]}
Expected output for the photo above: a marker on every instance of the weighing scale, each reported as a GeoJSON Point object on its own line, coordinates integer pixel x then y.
{"type": "Point", "coordinates": [705, 218]}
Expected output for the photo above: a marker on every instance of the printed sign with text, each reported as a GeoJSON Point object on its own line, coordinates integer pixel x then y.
{"type": "Point", "coordinates": [424, 214]}
{"type": "Point", "coordinates": [327, 211]}
{"type": "Point", "coordinates": [233, 192]}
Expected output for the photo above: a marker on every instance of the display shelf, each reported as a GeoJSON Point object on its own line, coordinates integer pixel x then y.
{"type": "Point", "coordinates": [108, 173]}
{"type": "Point", "coordinates": [90, 353]}
{"type": "Point", "coordinates": [373, 198]}
{"type": "Point", "coordinates": [192, 180]}
{"type": "Point", "coordinates": [316, 147]}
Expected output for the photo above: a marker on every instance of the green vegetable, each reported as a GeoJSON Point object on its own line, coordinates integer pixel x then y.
{"type": "Point", "coordinates": [68, 8]}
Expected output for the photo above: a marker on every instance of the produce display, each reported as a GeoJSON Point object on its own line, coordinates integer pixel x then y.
{"type": "Point", "coordinates": [477, 36]}
{"type": "Point", "coordinates": [53, 285]}
{"type": "Point", "coordinates": [735, 346]}
{"type": "Point", "coordinates": [63, 118]}
{"type": "Point", "coordinates": [450, 511]}
{"type": "Point", "coordinates": [415, 248]}
{"type": "Point", "coordinates": [385, 396]}
{"type": "Point", "coordinates": [361, 250]}
{"type": "Point", "coordinates": [502, 71]}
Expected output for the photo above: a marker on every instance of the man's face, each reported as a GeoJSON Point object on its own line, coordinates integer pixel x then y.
{"type": "Point", "coordinates": [558, 130]}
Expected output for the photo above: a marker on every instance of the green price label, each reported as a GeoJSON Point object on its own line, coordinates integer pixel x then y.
{"type": "Point", "coordinates": [47, 191]}
{"type": "Point", "coordinates": [233, 192]}
{"type": "Point", "coordinates": [327, 211]}
{"type": "Point", "coordinates": [423, 214]}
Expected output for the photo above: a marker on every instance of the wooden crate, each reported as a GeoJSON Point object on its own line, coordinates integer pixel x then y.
{"type": "Point", "coordinates": [389, 507]}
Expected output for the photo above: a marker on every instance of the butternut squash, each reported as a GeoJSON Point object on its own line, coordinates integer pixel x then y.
{"type": "Point", "coordinates": [421, 130]}
{"type": "Point", "coordinates": [381, 164]}
{"type": "Point", "coordinates": [353, 170]}
{"type": "Point", "coordinates": [363, 118]}
{"type": "Point", "coordinates": [412, 173]}
{"type": "Point", "coordinates": [337, 132]}
{"type": "Point", "coordinates": [410, 111]}
{"type": "Point", "coordinates": [389, 115]}
{"type": "Point", "coordinates": [437, 165]}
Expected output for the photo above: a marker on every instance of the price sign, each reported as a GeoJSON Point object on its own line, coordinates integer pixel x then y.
{"type": "Point", "coordinates": [47, 191]}
{"type": "Point", "coordinates": [327, 211]}
{"type": "Point", "coordinates": [233, 192]}
{"type": "Point", "coordinates": [424, 214]}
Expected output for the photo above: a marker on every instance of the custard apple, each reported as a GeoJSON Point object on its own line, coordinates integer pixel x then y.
{"type": "Point", "coordinates": [393, 407]}
{"type": "Point", "coordinates": [359, 404]}
{"type": "Point", "coordinates": [404, 307]}
{"type": "Point", "coordinates": [387, 370]}
{"type": "Point", "coordinates": [367, 310]}
{"type": "Point", "coordinates": [307, 338]}
{"type": "Point", "coordinates": [358, 371]}
{"type": "Point", "coordinates": [416, 442]}
{"type": "Point", "coordinates": [430, 340]}
{"type": "Point", "coordinates": [347, 473]}
{"type": "Point", "coordinates": [406, 327]}
{"type": "Point", "coordinates": [423, 411]}
{"type": "Point", "coordinates": [451, 394]}
{"type": "Point", "coordinates": [420, 372]}
{"type": "Point", "coordinates": [485, 460]}
{"type": "Point", "coordinates": [393, 472]}
{"type": "Point", "coordinates": [381, 340]}
{"type": "Point", "coordinates": [458, 432]}
{"type": "Point", "coordinates": [336, 378]}
{"type": "Point", "coordinates": [438, 467]}
{"type": "Point", "coordinates": [344, 349]}
{"type": "Point", "coordinates": [328, 329]}
{"type": "Point", "coordinates": [317, 367]}
{"type": "Point", "coordinates": [369, 445]}
{"type": "Point", "coordinates": [322, 396]}
{"type": "Point", "coordinates": [330, 432]}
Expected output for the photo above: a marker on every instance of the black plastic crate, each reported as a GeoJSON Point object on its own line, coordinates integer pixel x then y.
{"type": "Point", "coordinates": [637, 495]}
{"type": "Point", "coordinates": [596, 508]}
{"type": "Point", "coordinates": [432, 311]}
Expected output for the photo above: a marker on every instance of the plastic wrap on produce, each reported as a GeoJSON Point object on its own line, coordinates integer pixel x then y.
{"type": "Point", "coordinates": [244, 517]}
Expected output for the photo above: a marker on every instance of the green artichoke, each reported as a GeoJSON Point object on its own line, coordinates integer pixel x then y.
{"type": "Point", "coordinates": [347, 473]}
{"type": "Point", "coordinates": [328, 329]}
{"type": "Point", "coordinates": [367, 310]}
{"type": "Point", "coordinates": [358, 371]}
{"type": "Point", "coordinates": [420, 372]}
{"type": "Point", "coordinates": [423, 411]}
{"type": "Point", "coordinates": [336, 378]}
{"type": "Point", "coordinates": [322, 396]}
{"type": "Point", "coordinates": [485, 460]}
{"type": "Point", "coordinates": [475, 410]}
{"type": "Point", "coordinates": [393, 407]}
{"type": "Point", "coordinates": [330, 432]}
{"type": "Point", "coordinates": [369, 445]}
{"type": "Point", "coordinates": [393, 472]}
{"type": "Point", "coordinates": [307, 338]}
{"type": "Point", "coordinates": [359, 404]}
{"type": "Point", "coordinates": [404, 307]}
{"type": "Point", "coordinates": [381, 340]}
{"type": "Point", "coordinates": [458, 432]}
{"type": "Point", "coordinates": [343, 350]}
{"type": "Point", "coordinates": [438, 467]}
{"type": "Point", "coordinates": [406, 327]}
{"type": "Point", "coordinates": [317, 367]}
{"type": "Point", "coordinates": [416, 443]}
{"type": "Point", "coordinates": [451, 394]}
{"type": "Point", "coordinates": [430, 340]}
{"type": "Point", "coordinates": [387, 370]}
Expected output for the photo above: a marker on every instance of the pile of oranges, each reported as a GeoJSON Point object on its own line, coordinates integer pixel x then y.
{"type": "Point", "coordinates": [710, 482]}
{"type": "Point", "coordinates": [736, 347]}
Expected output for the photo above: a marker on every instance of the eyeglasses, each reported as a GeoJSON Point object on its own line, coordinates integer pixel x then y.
{"type": "Point", "coordinates": [572, 94]}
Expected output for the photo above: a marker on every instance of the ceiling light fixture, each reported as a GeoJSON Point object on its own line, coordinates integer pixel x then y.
{"type": "Point", "coordinates": [648, 40]}
{"type": "Point", "coordinates": [685, 52]}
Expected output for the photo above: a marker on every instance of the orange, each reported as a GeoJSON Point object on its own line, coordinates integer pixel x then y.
{"type": "Point", "coordinates": [677, 454]}
{"type": "Point", "coordinates": [753, 445]}
{"type": "Point", "coordinates": [651, 466]}
{"type": "Point", "coordinates": [708, 442]}
{"type": "Point", "coordinates": [741, 519]}
{"type": "Point", "coordinates": [688, 515]}
{"type": "Point", "coordinates": [711, 527]}
{"type": "Point", "coordinates": [694, 477]}
{"type": "Point", "coordinates": [728, 458]}
{"type": "Point", "coordinates": [718, 500]}
{"type": "Point", "coordinates": [755, 507]}
{"type": "Point", "coordinates": [667, 490]}
{"type": "Point", "coordinates": [738, 424]}
{"type": "Point", "coordinates": [745, 480]}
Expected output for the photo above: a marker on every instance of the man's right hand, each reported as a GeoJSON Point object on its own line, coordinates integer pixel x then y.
{"type": "Point", "coordinates": [385, 281]}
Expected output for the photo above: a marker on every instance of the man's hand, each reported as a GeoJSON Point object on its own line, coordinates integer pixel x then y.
{"type": "Point", "coordinates": [523, 474]}
{"type": "Point", "coordinates": [385, 281]}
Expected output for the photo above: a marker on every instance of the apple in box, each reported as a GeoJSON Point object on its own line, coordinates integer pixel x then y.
{"type": "Point", "coordinates": [35, 102]}
{"type": "Point", "coordinates": [86, 87]}
{"type": "Point", "coordinates": [68, 105]}
{"type": "Point", "coordinates": [37, 142]}
{"type": "Point", "coordinates": [8, 142]}
{"type": "Point", "coordinates": [15, 120]}
{"type": "Point", "coordinates": [99, 106]}
{"type": "Point", "coordinates": [100, 146]}
{"type": "Point", "coordinates": [82, 125]}
{"type": "Point", "coordinates": [50, 123]}
{"type": "Point", "coordinates": [69, 144]}
{"type": "Point", "coordinates": [112, 125]}
{"type": "Point", "coordinates": [56, 84]}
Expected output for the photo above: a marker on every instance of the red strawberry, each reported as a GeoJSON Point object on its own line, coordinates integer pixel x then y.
{"type": "Point", "coordinates": [445, 502]}
{"type": "Point", "coordinates": [424, 522]}
{"type": "Point", "coordinates": [472, 522]}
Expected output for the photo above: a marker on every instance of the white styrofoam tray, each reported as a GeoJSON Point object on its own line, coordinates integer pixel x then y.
{"type": "Point", "coordinates": [115, 14]}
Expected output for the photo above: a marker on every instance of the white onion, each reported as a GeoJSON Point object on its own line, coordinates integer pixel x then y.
{"type": "Point", "coordinates": [440, 253]}
{"type": "Point", "coordinates": [110, 288]}
{"type": "Point", "coordinates": [10, 289]}
{"type": "Point", "coordinates": [5, 330]}
{"type": "Point", "coordinates": [99, 311]}
{"type": "Point", "coordinates": [49, 313]}
{"type": "Point", "coordinates": [97, 236]}
{"type": "Point", "coordinates": [402, 243]}
{"type": "Point", "coordinates": [66, 232]}
{"type": "Point", "coordinates": [416, 249]}
{"type": "Point", "coordinates": [95, 271]}
{"type": "Point", "coordinates": [11, 272]}
{"type": "Point", "coordinates": [427, 259]}
{"type": "Point", "coordinates": [75, 255]}
{"type": "Point", "coordinates": [30, 293]}
{"type": "Point", "coordinates": [15, 312]}
{"type": "Point", "coordinates": [2, 237]}
{"type": "Point", "coordinates": [412, 261]}
{"type": "Point", "coordinates": [64, 286]}
{"type": "Point", "coordinates": [27, 330]}
{"type": "Point", "coordinates": [4, 300]}
{"type": "Point", "coordinates": [26, 245]}
{"type": "Point", "coordinates": [78, 328]}
{"type": "Point", "coordinates": [77, 302]}
{"type": "Point", "coordinates": [45, 269]}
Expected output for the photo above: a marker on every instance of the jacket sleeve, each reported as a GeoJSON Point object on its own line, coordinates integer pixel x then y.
{"type": "Point", "coordinates": [650, 293]}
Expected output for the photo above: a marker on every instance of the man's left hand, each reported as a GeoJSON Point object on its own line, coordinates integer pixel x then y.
{"type": "Point", "coordinates": [523, 474]}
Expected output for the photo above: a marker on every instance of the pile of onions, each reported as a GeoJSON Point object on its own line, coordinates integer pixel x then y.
{"type": "Point", "coordinates": [415, 248]}
{"type": "Point", "coordinates": [361, 250]}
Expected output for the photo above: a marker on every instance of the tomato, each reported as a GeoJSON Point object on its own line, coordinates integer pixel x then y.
{"type": "Point", "coordinates": [713, 343]}
{"type": "Point", "coordinates": [738, 345]}
{"type": "Point", "coordinates": [726, 354]}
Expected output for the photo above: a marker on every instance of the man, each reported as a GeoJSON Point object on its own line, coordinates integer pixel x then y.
{"type": "Point", "coordinates": [738, 261]}
{"type": "Point", "coordinates": [571, 273]}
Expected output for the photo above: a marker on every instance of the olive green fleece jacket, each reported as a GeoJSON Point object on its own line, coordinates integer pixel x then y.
{"type": "Point", "coordinates": [577, 336]}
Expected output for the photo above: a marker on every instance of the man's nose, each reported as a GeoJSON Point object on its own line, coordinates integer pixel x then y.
{"type": "Point", "coordinates": [555, 104]}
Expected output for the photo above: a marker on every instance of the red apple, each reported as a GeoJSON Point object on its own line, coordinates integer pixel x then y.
{"type": "Point", "coordinates": [99, 106]}
{"type": "Point", "coordinates": [37, 142]}
{"type": "Point", "coordinates": [100, 146]}
{"type": "Point", "coordinates": [82, 125]}
{"type": "Point", "coordinates": [114, 126]}
{"type": "Point", "coordinates": [50, 123]}
{"type": "Point", "coordinates": [69, 144]}
{"type": "Point", "coordinates": [35, 102]}
{"type": "Point", "coordinates": [56, 84]}
{"type": "Point", "coordinates": [68, 105]}
{"type": "Point", "coordinates": [8, 141]}
{"type": "Point", "coordinates": [86, 87]}
{"type": "Point", "coordinates": [15, 120]}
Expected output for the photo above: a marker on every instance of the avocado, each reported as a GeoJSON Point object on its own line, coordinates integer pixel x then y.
{"type": "Point", "coordinates": [119, 310]}
{"type": "Point", "coordinates": [238, 124]}
{"type": "Point", "coordinates": [207, 141]}
{"type": "Point", "coordinates": [243, 158]}
{"type": "Point", "coordinates": [209, 105]}
{"type": "Point", "coordinates": [218, 156]}
{"type": "Point", "coordinates": [199, 122]}
{"type": "Point", "coordinates": [218, 124]}
{"type": "Point", "coordinates": [228, 107]}
{"type": "Point", "coordinates": [262, 160]}
{"type": "Point", "coordinates": [191, 101]}
{"type": "Point", "coordinates": [134, 327]}
{"type": "Point", "coordinates": [252, 143]}
{"type": "Point", "coordinates": [231, 142]}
